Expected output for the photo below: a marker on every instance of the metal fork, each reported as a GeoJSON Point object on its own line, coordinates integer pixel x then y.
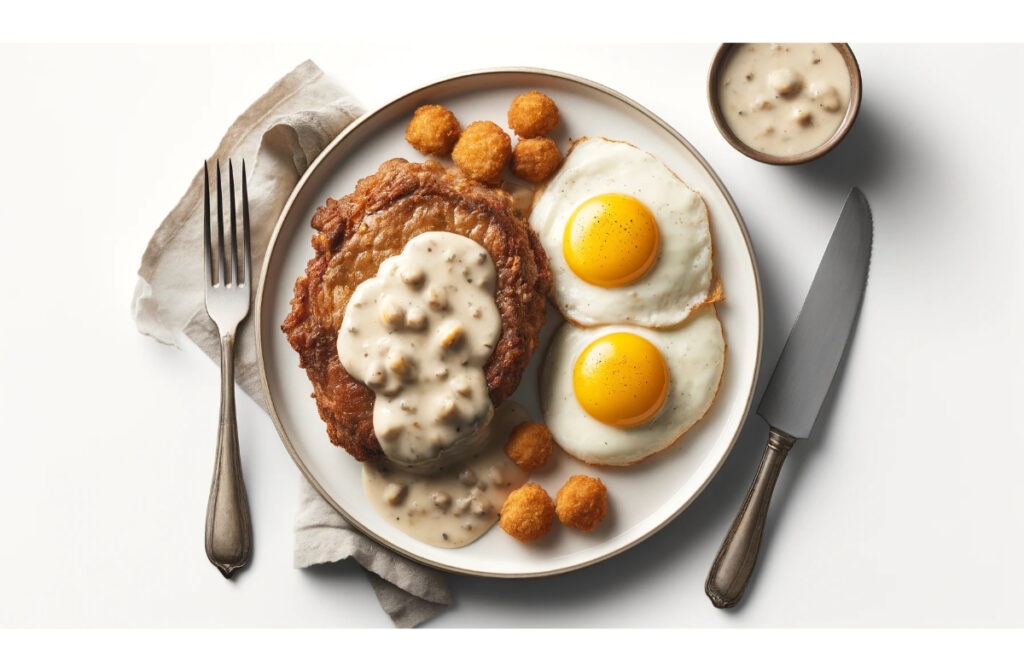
{"type": "Point", "coordinates": [228, 527]}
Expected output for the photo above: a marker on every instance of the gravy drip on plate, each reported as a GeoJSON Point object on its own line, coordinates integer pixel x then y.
{"type": "Point", "coordinates": [784, 99]}
{"type": "Point", "coordinates": [418, 334]}
{"type": "Point", "coordinates": [456, 504]}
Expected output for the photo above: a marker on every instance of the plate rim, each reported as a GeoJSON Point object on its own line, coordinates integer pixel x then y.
{"type": "Point", "coordinates": [271, 246]}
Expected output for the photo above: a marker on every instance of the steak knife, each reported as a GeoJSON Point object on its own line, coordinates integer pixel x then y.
{"type": "Point", "coordinates": [798, 386]}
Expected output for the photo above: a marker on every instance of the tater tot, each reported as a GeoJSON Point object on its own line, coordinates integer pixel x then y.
{"type": "Point", "coordinates": [535, 159]}
{"type": "Point", "coordinates": [433, 130]}
{"type": "Point", "coordinates": [528, 513]}
{"type": "Point", "coordinates": [532, 114]}
{"type": "Point", "coordinates": [482, 151]}
{"type": "Point", "coordinates": [582, 502]}
{"type": "Point", "coordinates": [530, 445]}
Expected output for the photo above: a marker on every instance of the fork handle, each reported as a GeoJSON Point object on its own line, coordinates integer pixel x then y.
{"type": "Point", "coordinates": [228, 527]}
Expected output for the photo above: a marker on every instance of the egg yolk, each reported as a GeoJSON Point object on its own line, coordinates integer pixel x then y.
{"type": "Point", "coordinates": [621, 379]}
{"type": "Point", "coordinates": [611, 240]}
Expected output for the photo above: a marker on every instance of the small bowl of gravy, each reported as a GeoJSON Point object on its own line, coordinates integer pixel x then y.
{"type": "Point", "coordinates": [784, 104]}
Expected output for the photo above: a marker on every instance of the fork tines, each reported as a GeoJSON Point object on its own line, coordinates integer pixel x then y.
{"type": "Point", "coordinates": [222, 279]}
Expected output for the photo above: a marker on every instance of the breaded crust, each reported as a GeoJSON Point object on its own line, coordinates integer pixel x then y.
{"type": "Point", "coordinates": [530, 445]}
{"type": "Point", "coordinates": [356, 233]}
{"type": "Point", "coordinates": [582, 502]}
{"type": "Point", "coordinates": [527, 513]}
{"type": "Point", "coordinates": [482, 151]}
{"type": "Point", "coordinates": [536, 159]}
{"type": "Point", "coordinates": [433, 130]}
{"type": "Point", "coordinates": [532, 114]}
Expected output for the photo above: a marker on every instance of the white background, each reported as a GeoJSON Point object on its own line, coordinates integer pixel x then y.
{"type": "Point", "coordinates": [903, 509]}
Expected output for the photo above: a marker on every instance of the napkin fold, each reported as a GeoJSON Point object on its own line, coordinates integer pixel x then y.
{"type": "Point", "coordinates": [284, 130]}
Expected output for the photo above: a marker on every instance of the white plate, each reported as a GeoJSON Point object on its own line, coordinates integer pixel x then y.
{"type": "Point", "coordinates": [642, 498]}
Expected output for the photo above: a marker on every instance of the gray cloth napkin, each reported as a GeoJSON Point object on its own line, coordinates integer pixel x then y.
{"type": "Point", "coordinates": [284, 130]}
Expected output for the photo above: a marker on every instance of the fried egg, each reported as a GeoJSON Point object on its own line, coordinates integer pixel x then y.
{"type": "Point", "coordinates": [614, 395]}
{"type": "Point", "coordinates": [628, 242]}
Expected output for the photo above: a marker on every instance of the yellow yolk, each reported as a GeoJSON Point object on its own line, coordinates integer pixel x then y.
{"type": "Point", "coordinates": [621, 379]}
{"type": "Point", "coordinates": [611, 240]}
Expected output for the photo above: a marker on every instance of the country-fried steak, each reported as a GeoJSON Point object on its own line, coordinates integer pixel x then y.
{"type": "Point", "coordinates": [356, 233]}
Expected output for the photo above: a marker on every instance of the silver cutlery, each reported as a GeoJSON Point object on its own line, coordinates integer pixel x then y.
{"type": "Point", "coordinates": [798, 386]}
{"type": "Point", "coordinates": [228, 295]}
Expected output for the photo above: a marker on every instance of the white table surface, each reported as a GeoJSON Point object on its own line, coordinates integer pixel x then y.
{"type": "Point", "coordinates": [905, 507]}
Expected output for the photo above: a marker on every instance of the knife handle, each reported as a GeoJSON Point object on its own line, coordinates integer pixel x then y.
{"type": "Point", "coordinates": [736, 559]}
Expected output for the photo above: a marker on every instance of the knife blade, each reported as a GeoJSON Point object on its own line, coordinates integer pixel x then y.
{"type": "Point", "coordinates": [809, 359]}
{"type": "Point", "coordinates": [798, 386]}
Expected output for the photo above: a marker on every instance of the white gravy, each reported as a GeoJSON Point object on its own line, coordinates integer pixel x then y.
{"type": "Point", "coordinates": [456, 504]}
{"type": "Point", "coordinates": [418, 334]}
{"type": "Point", "coordinates": [784, 99]}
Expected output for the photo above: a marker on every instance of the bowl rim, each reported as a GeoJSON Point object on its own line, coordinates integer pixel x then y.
{"type": "Point", "coordinates": [852, 108]}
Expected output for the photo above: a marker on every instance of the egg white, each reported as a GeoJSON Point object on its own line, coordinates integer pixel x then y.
{"type": "Point", "coordinates": [695, 355]}
{"type": "Point", "coordinates": [681, 278]}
